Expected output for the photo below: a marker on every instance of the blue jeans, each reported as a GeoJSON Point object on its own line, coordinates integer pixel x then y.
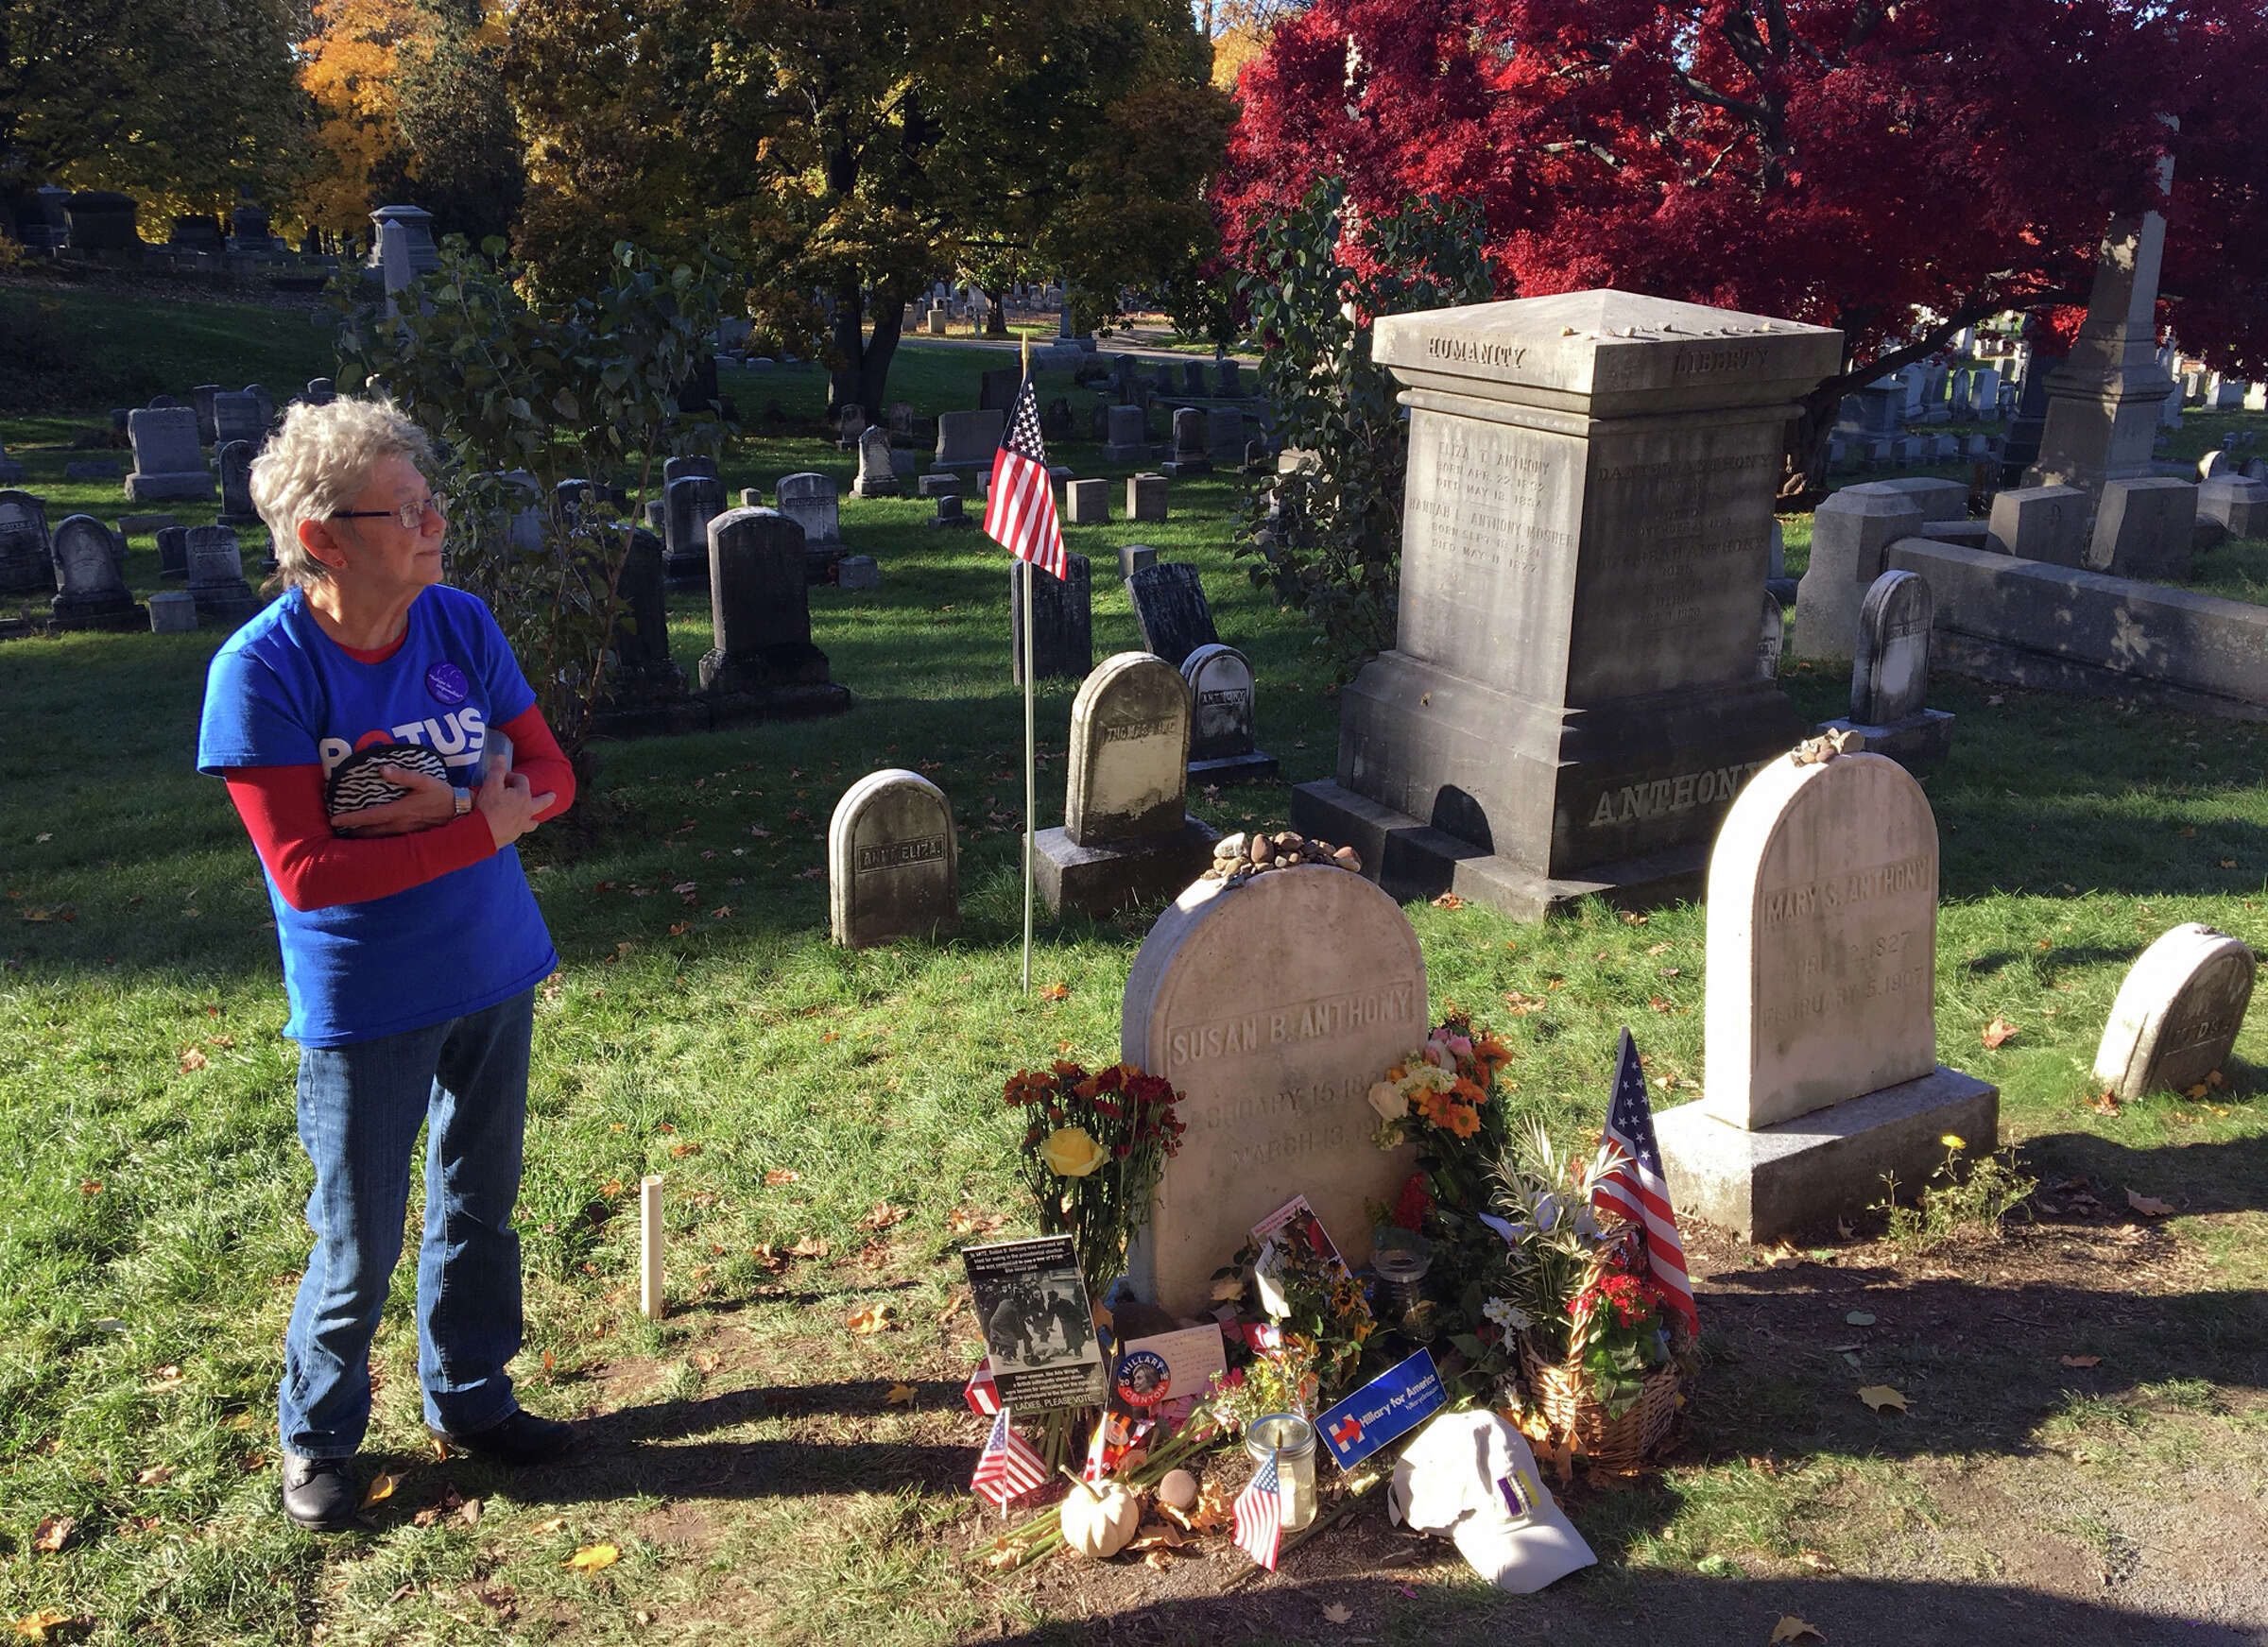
{"type": "Point", "coordinates": [360, 1107]}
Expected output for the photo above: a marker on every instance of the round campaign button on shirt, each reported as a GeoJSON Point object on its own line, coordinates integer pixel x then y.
{"type": "Point", "coordinates": [447, 683]}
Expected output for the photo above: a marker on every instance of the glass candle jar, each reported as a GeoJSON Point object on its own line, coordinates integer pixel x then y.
{"type": "Point", "coordinates": [1292, 1439]}
{"type": "Point", "coordinates": [1400, 1273]}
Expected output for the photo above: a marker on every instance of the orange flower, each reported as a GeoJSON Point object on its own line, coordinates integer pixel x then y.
{"type": "Point", "coordinates": [1024, 1086]}
{"type": "Point", "coordinates": [1467, 1091]}
{"type": "Point", "coordinates": [1063, 1068]}
{"type": "Point", "coordinates": [1461, 1120]}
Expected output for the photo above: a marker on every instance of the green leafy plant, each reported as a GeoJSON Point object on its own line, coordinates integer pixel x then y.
{"type": "Point", "coordinates": [1327, 532]}
{"type": "Point", "coordinates": [525, 395]}
{"type": "Point", "coordinates": [1963, 1199]}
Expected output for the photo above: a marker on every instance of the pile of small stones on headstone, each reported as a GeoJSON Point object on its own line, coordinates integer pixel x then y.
{"type": "Point", "coordinates": [1239, 857]}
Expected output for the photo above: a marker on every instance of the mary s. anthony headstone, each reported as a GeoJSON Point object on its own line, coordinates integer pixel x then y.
{"type": "Point", "coordinates": [224, 600]}
{"type": "Point", "coordinates": [1170, 609]}
{"type": "Point", "coordinates": [235, 460]}
{"type": "Point", "coordinates": [1063, 644]}
{"type": "Point", "coordinates": [90, 594]}
{"type": "Point", "coordinates": [689, 503]}
{"type": "Point", "coordinates": [1126, 832]}
{"type": "Point", "coordinates": [764, 663]}
{"type": "Point", "coordinates": [2176, 1019]}
{"type": "Point", "coordinates": [168, 461]}
{"type": "Point", "coordinates": [1890, 678]}
{"type": "Point", "coordinates": [1822, 1072]}
{"type": "Point", "coordinates": [1571, 701]}
{"type": "Point", "coordinates": [1221, 739]}
{"type": "Point", "coordinates": [27, 552]}
{"type": "Point", "coordinates": [893, 862]}
{"type": "Point", "coordinates": [1273, 1004]}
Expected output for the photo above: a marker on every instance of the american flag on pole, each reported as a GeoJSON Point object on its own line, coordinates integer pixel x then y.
{"type": "Point", "coordinates": [1637, 1189]}
{"type": "Point", "coordinates": [1259, 1516]}
{"type": "Point", "coordinates": [1007, 1468]}
{"type": "Point", "coordinates": [982, 1393]}
{"type": "Point", "coordinates": [1020, 511]}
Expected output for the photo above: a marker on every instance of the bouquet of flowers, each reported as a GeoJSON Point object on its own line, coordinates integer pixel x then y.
{"type": "Point", "coordinates": [1321, 1316]}
{"type": "Point", "coordinates": [1092, 1155]}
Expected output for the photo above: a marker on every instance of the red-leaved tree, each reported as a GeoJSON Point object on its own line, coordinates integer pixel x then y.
{"type": "Point", "coordinates": [1896, 171]}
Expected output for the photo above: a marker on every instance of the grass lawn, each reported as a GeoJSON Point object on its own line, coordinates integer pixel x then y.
{"type": "Point", "coordinates": [744, 1454]}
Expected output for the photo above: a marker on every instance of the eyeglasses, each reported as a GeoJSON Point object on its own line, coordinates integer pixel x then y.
{"type": "Point", "coordinates": [412, 516]}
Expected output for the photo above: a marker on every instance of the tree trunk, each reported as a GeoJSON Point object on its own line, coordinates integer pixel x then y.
{"type": "Point", "coordinates": [874, 370]}
{"type": "Point", "coordinates": [1803, 468]}
{"type": "Point", "coordinates": [848, 330]}
{"type": "Point", "coordinates": [996, 316]}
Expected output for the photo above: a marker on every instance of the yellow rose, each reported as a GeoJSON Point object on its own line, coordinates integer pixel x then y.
{"type": "Point", "coordinates": [1388, 1100]}
{"type": "Point", "coordinates": [1953, 1141]}
{"type": "Point", "coordinates": [1071, 1154]}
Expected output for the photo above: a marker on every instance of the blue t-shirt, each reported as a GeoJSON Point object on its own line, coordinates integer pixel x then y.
{"type": "Point", "coordinates": [281, 693]}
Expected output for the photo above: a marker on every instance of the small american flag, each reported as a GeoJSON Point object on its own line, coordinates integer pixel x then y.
{"type": "Point", "coordinates": [982, 1393]}
{"type": "Point", "coordinates": [1007, 1468]}
{"type": "Point", "coordinates": [1259, 1516]}
{"type": "Point", "coordinates": [1020, 511]}
{"type": "Point", "coordinates": [1637, 1189]}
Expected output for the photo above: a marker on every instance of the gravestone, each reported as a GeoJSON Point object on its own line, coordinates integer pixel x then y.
{"type": "Point", "coordinates": [1098, 423]}
{"type": "Point", "coordinates": [416, 226]}
{"type": "Point", "coordinates": [1128, 439]}
{"type": "Point", "coordinates": [168, 460]}
{"type": "Point", "coordinates": [1133, 557]}
{"type": "Point", "coordinates": [1851, 531]}
{"type": "Point", "coordinates": [239, 416]}
{"type": "Point", "coordinates": [143, 526]}
{"type": "Point", "coordinates": [173, 553]}
{"type": "Point", "coordinates": [1771, 639]}
{"type": "Point", "coordinates": [1821, 1069]}
{"type": "Point", "coordinates": [1890, 677]}
{"type": "Point", "coordinates": [893, 862]}
{"type": "Point", "coordinates": [949, 514]}
{"type": "Point", "coordinates": [2144, 529]}
{"type": "Point", "coordinates": [689, 503]}
{"type": "Point", "coordinates": [2238, 506]}
{"type": "Point", "coordinates": [172, 611]}
{"type": "Point", "coordinates": [645, 675]}
{"type": "Point", "coordinates": [2040, 522]}
{"type": "Point", "coordinates": [967, 441]}
{"type": "Point", "coordinates": [812, 502]}
{"type": "Point", "coordinates": [2177, 1017]}
{"type": "Point", "coordinates": [11, 472]}
{"type": "Point", "coordinates": [320, 392]}
{"type": "Point", "coordinates": [200, 398]}
{"type": "Point", "coordinates": [996, 390]}
{"type": "Point", "coordinates": [936, 486]}
{"type": "Point", "coordinates": [1147, 497]}
{"type": "Point", "coordinates": [1056, 420]}
{"type": "Point", "coordinates": [1224, 436]}
{"type": "Point", "coordinates": [1126, 832]}
{"type": "Point", "coordinates": [877, 470]}
{"type": "Point", "coordinates": [857, 571]}
{"type": "Point", "coordinates": [1272, 1006]}
{"type": "Point", "coordinates": [1192, 377]}
{"type": "Point", "coordinates": [1190, 453]}
{"type": "Point", "coordinates": [27, 551]}
{"type": "Point", "coordinates": [689, 463]}
{"type": "Point", "coordinates": [234, 460]}
{"type": "Point", "coordinates": [759, 605]}
{"type": "Point", "coordinates": [1221, 745]}
{"type": "Point", "coordinates": [1170, 610]}
{"type": "Point", "coordinates": [90, 594]}
{"type": "Point", "coordinates": [1085, 503]}
{"type": "Point", "coordinates": [1231, 382]}
{"type": "Point", "coordinates": [1063, 643]}
{"type": "Point", "coordinates": [1572, 702]}
{"type": "Point", "coordinates": [224, 600]}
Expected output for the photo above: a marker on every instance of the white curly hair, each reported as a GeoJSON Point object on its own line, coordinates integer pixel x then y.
{"type": "Point", "coordinates": [316, 464]}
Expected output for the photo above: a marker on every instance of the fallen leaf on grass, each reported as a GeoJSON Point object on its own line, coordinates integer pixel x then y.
{"type": "Point", "coordinates": [52, 1534]}
{"type": "Point", "coordinates": [193, 1060]}
{"type": "Point", "coordinates": [810, 1247]}
{"type": "Point", "coordinates": [35, 1627]}
{"type": "Point", "coordinates": [872, 1319]}
{"type": "Point", "coordinates": [1997, 1033]}
{"type": "Point", "coordinates": [2149, 1207]}
{"type": "Point", "coordinates": [381, 1488]}
{"type": "Point", "coordinates": [969, 1221]}
{"type": "Point", "coordinates": [768, 1257]}
{"type": "Point", "coordinates": [1337, 1613]}
{"type": "Point", "coordinates": [900, 1395]}
{"type": "Point", "coordinates": [156, 1475]}
{"type": "Point", "coordinates": [882, 1216]}
{"type": "Point", "coordinates": [1449, 900]}
{"type": "Point", "coordinates": [954, 1300]}
{"type": "Point", "coordinates": [469, 1512]}
{"type": "Point", "coordinates": [553, 1525]}
{"type": "Point", "coordinates": [1054, 992]}
{"type": "Point", "coordinates": [1880, 1397]}
{"type": "Point", "coordinates": [2083, 1360]}
{"type": "Point", "coordinates": [1791, 1628]}
{"type": "Point", "coordinates": [592, 1557]}
{"type": "Point", "coordinates": [2101, 1104]}
{"type": "Point", "coordinates": [705, 1362]}
{"type": "Point", "coordinates": [1815, 1560]}
{"type": "Point", "coordinates": [165, 1378]}
{"type": "Point", "coordinates": [776, 1177]}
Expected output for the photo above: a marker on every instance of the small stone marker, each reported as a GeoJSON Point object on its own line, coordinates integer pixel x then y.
{"type": "Point", "coordinates": [143, 526]}
{"type": "Point", "coordinates": [1273, 1004]}
{"type": "Point", "coordinates": [644, 674]}
{"type": "Point", "coordinates": [1126, 832]}
{"type": "Point", "coordinates": [1126, 437]}
{"type": "Point", "coordinates": [968, 440]}
{"type": "Point", "coordinates": [760, 605]}
{"type": "Point", "coordinates": [26, 551]}
{"type": "Point", "coordinates": [1221, 741]}
{"type": "Point", "coordinates": [949, 514]}
{"type": "Point", "coordinates": [651, 1236]}
{"type": "Point", "coordinates": [224, 600]}
{"type": "Point", "coordinates": [1170, 610]}
{"type": "Point", "coordinates": [2177, 1017]}
{"type": "Point", "coordinates": [1851, 531]}
{"type": "Point", "coordinates": [172, 611]}
{"type": "Point", "coordinates": [1132, 558]}
{"type": "Point", "coordinates": [2144, 529]}
{"type": "Point", "coordinates": [857, 572]}
{"type": "Point", "coordinates": [1147, 497]}
{"type": "Point", "coordinates": [1890, 678]}
{"type": "Point", "coordinates": [2239, 505]}
{"type": "Point", "coordinates": [1085, 503]}
{"type": "Point", "coordinates": [1063, 644]}
{"type": "Point", "coordinates": [1821, 1044]}
{"type": "Point", "coordinates": [90, 594]}
{"type": "Point", "coordinates": [1191, 453]}
{"type": "Point", "coordinates": [2040, 522]}
{"type": "Point", "coordinates": [893, 861]}
{"type": "Point", "coordinates": [173, 552]}
{"type": "Point", "coordinates": [168, 460]}
{"type": "Point", "coordinates": [877, 470]}
{"type": "Point", "coordinates": [320, 392]}
{"type": "Point", "coordinates": [235, 462]}
{"type": "Point", "coordinates": [936, 486]}
{"type": "Point", "coordinates": [689, 503]}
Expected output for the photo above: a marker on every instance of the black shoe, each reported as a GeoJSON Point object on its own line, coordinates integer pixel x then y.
{"type": "Point", "coordinates": [517, 1440]}
{"type": "Point", "coordinates": [318, 1493]}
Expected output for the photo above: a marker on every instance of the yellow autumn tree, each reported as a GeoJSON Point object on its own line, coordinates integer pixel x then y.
{"type": "Point", "coordinates": [349, 69]}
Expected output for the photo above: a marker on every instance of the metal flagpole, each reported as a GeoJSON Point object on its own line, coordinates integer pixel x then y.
{"type": "Point", "coordinates": [1031, 759]}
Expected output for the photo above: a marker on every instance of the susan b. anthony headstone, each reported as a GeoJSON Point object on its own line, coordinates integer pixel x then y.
{"type": "Point", "coordinates": [1273, 1004]}
{"type": "Point", "coordinates": [1890, 678]}
{"type": "Point", "coordinates": [168, 461]}
{"type": "Point", "coordinates": [893, 864]}
{"type": "Point", "coordinates": [1126, 832]}
{"type": "Point", "coordinates": [1221, 741]}
{"type": "Point", "coordinates": [2176, 1019]}
{"type": "Point", "coordinates": [1170, 609]}
{"type": "Point", "coordinates": [1821, 1069]}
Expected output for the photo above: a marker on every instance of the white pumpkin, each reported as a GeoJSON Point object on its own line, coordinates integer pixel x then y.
{"type": "Point", "coordinates": [1100, 1523]}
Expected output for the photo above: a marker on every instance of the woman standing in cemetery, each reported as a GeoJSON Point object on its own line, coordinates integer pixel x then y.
{"type": "Point", "coordinates": [362, 722]}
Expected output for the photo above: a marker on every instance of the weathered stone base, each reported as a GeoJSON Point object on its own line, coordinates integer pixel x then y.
{"type": "Point", "coordinates": [1141, 454]}
{"type": "Point", "coordinates": [1409, 859]}
{"type": "Point", "coordinates": [862, 488]}
{"type": "Point", "coordinates": [142, 489]}
{"type": "Point", "coordinates": [117, 614]}
{"type": "Point", "coordinates": [1829, 1164]}
{"type": "Point", "coordinates": [1917, 743]}
{"type": "Point", "coordinates": [227, 607]}
{"type": "Point", "coordinates": [685, 571]}
{"type": "Point", "coordinates": [1101, 879]}
{"type": "Point", "coordinates": [1256, 768]}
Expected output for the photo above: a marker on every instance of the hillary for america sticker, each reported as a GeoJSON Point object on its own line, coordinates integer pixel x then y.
{"type": "Point", "coordinates": [447, 683]}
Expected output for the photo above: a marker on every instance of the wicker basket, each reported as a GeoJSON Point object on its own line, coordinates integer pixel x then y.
{"type": "Point", "coordinates": [1562, 1393]}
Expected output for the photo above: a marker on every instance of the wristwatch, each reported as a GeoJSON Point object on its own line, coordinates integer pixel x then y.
{"type": "Point", "coordinates": [464, 801]}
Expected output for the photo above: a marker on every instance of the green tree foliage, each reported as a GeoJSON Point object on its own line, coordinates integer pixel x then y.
{"type": "Point", "coordinates": [854, 150]}
{"type": "Point", "coordinates": [573, 389]}
{"type": "Point", "coordinates": [174, 103]}
{"type": "Point", "coordinates": [460, 139]}
{"type": "Point", "coordinates": [1327, 534]}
